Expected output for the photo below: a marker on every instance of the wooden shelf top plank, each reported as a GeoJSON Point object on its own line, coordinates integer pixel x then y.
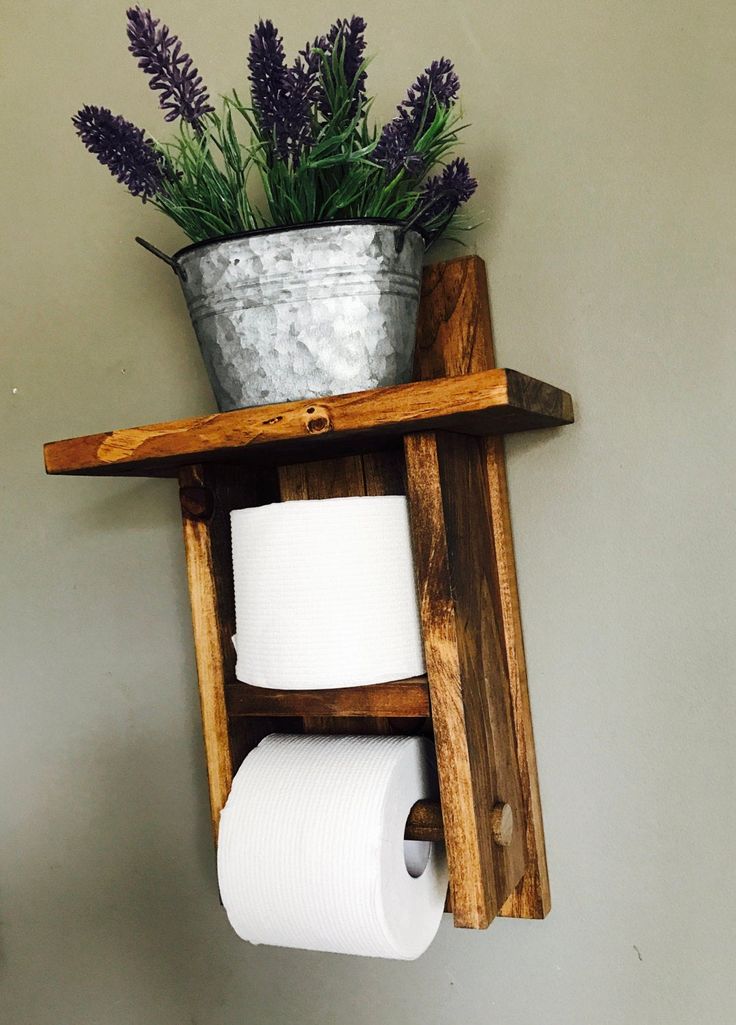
{"type": "Point", "coordinates": [489, 402]}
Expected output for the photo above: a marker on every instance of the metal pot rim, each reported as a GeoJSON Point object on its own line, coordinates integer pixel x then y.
{"type": "Point", "coordinates": [280, 229]}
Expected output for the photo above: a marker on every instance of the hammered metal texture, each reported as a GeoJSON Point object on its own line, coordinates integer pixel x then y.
{"type": "Point", "coordinates": [303, 313]}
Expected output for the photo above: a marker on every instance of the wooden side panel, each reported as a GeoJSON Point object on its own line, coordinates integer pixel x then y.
{"type": "Point", "coordinates": [471, 714]}
{"type": "Point", "coordinates": [469, 896]}
{"type": "Point", "coordinates": [207, 494]}
{"type": "Point", "coordinates": [455, 337]}
{"type": "Point", "coordinates": [208, 627]}
{"type": "Point", "coordinates": [531, 898]}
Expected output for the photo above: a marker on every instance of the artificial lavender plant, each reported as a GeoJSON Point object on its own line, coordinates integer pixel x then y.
{"type": "Point", "coordinates": [132, 158]}
{"type": "Point", "coordinates": [172, 72]}
{"type": "Point", "coordinates": [305, 132]}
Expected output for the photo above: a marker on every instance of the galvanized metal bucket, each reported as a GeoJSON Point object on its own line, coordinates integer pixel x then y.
{"type": "Point", "coordinates": [296, 313]}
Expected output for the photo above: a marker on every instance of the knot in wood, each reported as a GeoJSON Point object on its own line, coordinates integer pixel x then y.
{"type": "Point", "coordinates": [318, 420]}
{"type": "Point", "coordinates": [197, 503]}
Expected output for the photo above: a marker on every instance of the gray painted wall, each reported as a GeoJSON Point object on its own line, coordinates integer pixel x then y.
{"type": "Point", "coordinates": [603, 136]}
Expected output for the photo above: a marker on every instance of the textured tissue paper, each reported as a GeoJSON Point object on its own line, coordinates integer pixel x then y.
{"type": "Point", "coordinates": [311, 848]}
{"type": "Point", "coordinates": [325, 594]}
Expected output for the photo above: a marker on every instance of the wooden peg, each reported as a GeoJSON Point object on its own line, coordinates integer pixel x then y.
{"type": "Point", "coordinates": [197, 502]}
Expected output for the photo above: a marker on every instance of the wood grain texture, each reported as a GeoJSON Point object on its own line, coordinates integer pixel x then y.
{"type": "Point", "coordinates": [502, 825]}
{"type": "Point", "coordinates": [455, 337]}
{"type": "Point", "coordinates": [531, 898]}
{"type": "Point", "coordinates": [486, 403]}
{"type": "Point", "coordinates": [470, 899]}
{"type": "Point", "coordinates": [211, 670]}
{"type": "Point", "coordinates": [424, 822]}
{"type": "Point", "coordinates": [468, 686]}
{"type": "Point", "coordinates": [207, 494]}
{"type": "Point", "coordinates": [477, 686]}
{"type": "Point", "coordinates": [405, 699]}
{"type": "Point", "coordinates": [454, 323]}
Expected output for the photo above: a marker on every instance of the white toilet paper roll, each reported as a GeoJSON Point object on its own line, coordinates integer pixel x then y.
{"type": "Point", "coordinates": [325, 594]}
{"type": "Point", "coordinates": [311, 851]}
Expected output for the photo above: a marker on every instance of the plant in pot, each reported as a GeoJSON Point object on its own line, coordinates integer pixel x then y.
{"type": "Point", "coordinates": [308, 224]}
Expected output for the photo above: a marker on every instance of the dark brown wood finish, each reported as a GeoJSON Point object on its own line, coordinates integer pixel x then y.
{"type": "Point", "coordinates": [405, 699]}
{"type": "Point", "coordinates": [476, 687]}
{"type": "Point", "coordinates": [454, 338]}
{"type": "Point", "coordinates": [207, 494]}
{"type": "Point", "coordinates": [424, 822]}
{"type": "Point", "coordinates": [495, 401]}
{"type": "Point", "coordinates": [468, 686]}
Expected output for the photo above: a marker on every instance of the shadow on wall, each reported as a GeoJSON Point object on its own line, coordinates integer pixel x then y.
{"type": "Point", "coordinates": [130, 505]}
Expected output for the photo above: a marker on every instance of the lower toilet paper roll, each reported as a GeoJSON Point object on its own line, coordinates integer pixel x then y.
{"type": "Point", "coordinates": [325, 594]}
{"type": "Point", "coordinates": [311, 849]}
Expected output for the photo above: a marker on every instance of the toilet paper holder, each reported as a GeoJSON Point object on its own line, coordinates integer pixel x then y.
{"type": "Point", "coordinates": [440, 442]}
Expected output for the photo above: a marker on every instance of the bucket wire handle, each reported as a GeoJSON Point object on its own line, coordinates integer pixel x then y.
{"type": "Point", "coordinates": [157, 252]}
{"type": "Point", "coordinates": [406, 227]}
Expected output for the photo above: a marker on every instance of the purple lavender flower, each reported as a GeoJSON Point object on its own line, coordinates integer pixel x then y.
{"type": "Point", "coordinates": [437, 87]}
{"type": "Point", "coordinates": [352, 38]}
{"type": "Point", "coordinates": [123, 148]}
{"type": "Point", "coordinates": [347, 40]}
{"type": "Point", "coordinates": [267, 67]}
{"type": "Point", "coordinates": [172, 73]}
{"type": "Point", "coordinates": [394, 150]}
{"type": "Point", "coordinates": [281, 96]}
{"type": "Point", "coordinates": [443, 194]}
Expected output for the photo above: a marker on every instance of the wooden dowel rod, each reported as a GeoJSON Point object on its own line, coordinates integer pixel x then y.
{"type": "Point", "coordinates": [424, 822]}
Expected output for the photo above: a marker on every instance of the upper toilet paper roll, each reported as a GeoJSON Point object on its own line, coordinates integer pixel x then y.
{"type": "Point", "coordinates": [311, 847]}
{"type": "Point", "coordinates": [325, 594]}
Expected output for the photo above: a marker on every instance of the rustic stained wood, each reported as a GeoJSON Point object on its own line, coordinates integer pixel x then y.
{"type": "Point", "coordinates": [388, 441]}
{"type": "Point", "coordinates": [405, 699]}
{"type": "Point", "coordinates": [455, 337]}
{"type": "Point", "coordinates": [496, 401]}
{"type": "Point", "coordinates": [502, 825]}
{"type": "Point", "coordinates": [468, 685]}
{"type": "Point", "coordinates": [424, 822]}
{"type": "Point", "coordinates": [207, 494]}
{"type": "Point", "coordinates": [207, 627]}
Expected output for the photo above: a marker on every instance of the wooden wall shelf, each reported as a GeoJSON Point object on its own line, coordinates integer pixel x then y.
{"type": "Point", "coordinates": [488, 402]}
{"type": "Point", "coordinates": [438, 441]}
